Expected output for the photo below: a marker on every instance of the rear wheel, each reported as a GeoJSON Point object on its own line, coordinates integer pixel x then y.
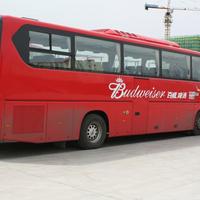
{"type": "Point", "coordinates": [93, 132]}
{"type": "Point", "coordinates": [196, 130]}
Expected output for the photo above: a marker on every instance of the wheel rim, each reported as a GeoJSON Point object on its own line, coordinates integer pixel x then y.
{"type": "Point", "coordinates": [94, 132]}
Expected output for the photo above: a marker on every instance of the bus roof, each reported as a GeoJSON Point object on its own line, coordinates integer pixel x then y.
{"type": "Point", "coordinates": [137, 37]}
{"type": "Point", "coordinates": [110, 34]}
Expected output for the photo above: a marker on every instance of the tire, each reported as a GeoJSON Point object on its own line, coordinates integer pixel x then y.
{"type": "Point", "coordinates": [93, 132]}
{"type": "Point", "coordinates": [196, 130]}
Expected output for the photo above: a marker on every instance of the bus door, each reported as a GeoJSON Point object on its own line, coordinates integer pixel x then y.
{"type": "Point", "coordinates": [140, 105]}
{"type": "Point", "coordinates": [142, 63]}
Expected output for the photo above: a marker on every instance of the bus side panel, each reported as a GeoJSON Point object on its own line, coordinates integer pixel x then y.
{"type": "Point", "coordinates": [60, 121]}
{"type": "Point", "coordinates": [2, 86]}
{"type": "Point", "coordinates": [64, 119]}
{"type": "Point", "coordinates": [25, 121]}
{"type": "Point", "coordinates": [168, 117]}
{"type": "Point", "coordinates": [38, 122]}
{"type": "Point", "coordinates": [174, 112]}
{"type": "Point", "coordinates": [1, 120]}
{"type": "Point", "coordinates": [140, 107]}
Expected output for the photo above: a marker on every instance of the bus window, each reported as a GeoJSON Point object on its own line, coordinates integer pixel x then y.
{"type": "Point", "coordinates": [97, 55]}
{"type": "Point", "coordinates": [39, 40]}
{"type": "Point", "coordinates": [141, 61]}
{"type": "Point", "coordinates": [50, 61]}
{"type": "Point", "coordinates": [175, 66]}
{"type": "Point", "coordinates": [47, 50]}
{"type": "Point", "coordinates": [196, 68]}
{"type": "Point", "coordinates": [61, 43]}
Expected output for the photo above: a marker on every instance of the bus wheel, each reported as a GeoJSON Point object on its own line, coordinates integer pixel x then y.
{"type": "Point", "coordinates": [196, 130]}
{"type": "Point", "coordinates": [93, 132]}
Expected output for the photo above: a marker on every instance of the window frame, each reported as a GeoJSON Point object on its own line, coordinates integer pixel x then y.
{"type": "Point", "coordinates": [23, 32]}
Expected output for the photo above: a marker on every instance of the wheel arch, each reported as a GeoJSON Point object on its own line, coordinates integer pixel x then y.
{"type": "Point", "coordinates": [102, 114]}
{"type": "Point", "coordinates": [196, 114]}
{"type": "Point", "coordinates": [196, 129]}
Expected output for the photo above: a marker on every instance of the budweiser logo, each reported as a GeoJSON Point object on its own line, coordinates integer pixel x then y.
{"type": "Point", "coordinates": [120, 90]}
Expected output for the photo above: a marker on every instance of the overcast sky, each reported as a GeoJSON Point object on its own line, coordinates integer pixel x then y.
{"type": "Point", "coordinates": [126, 15]}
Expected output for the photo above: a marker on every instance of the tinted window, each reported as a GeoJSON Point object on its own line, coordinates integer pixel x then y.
{"type": "Point", "coordinates": [141, 61]}
{"type": "Point", "coordinates": [196, 68]}
{"type": "Point", "coordinates": [97, 55]}
{"type": "Point", "coordinates": [61, 43]}
{"type": "Point", "coordinates": [50, 51]}
{"type": "Point", "coordinates": [176, 66]}
{"type": "Point", "coordinates": [50, 61]}
{"type": "Point", "coordinates": [39, 40]}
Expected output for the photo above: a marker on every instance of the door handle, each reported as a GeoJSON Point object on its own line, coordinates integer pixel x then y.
{"type": "Point", "coordinates": [137, 113]}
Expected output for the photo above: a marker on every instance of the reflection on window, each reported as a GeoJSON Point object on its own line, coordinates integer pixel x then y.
{"type": "Point", "coordinates": [61, 43]}
{"type": "Point", "coordinates": [176, 66]}
{"type": "Point", "coordinates": [141, 61]}
{"type": "Point", "coordinates": [97, 55]}
{"type": "Point", "coordinates": [196, 68]}
{"type": "Point", "coordinates": [39, 40]}
{"type": "Point", "coordinates": [50, 51]}
{"type": "Point", "coordinates": [50, 61]}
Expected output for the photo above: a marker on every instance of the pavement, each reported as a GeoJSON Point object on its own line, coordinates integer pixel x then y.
{"type": "Point", "coordinates": [155, 167]}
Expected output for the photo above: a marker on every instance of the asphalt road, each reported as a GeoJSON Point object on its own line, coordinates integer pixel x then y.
{"type": "Point", "coordinates": [157, 167]}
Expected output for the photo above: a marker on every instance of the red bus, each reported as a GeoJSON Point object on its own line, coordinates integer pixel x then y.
{"type": "Point", "coordinates": [63, 84]}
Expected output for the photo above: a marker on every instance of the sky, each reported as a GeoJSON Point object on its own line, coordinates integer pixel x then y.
{"type": "Point", "coordinates": [125, 15]}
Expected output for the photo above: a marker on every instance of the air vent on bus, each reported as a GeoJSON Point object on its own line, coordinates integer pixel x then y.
{"type": "Point", "coordinates": [136, 37]}
{"type": "Point", "coordinates": [30, 18]}
{"type": "Point", "coordinates": [28, 119]}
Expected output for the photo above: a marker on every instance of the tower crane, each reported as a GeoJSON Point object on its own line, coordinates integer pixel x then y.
{"type": "Point", "coordinates": [168, 18]}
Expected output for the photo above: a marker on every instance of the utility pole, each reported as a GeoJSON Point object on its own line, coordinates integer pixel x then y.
{"type": "Point", "coordinates": [168, 18]}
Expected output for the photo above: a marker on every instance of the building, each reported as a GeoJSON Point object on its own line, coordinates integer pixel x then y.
{"type": "Point", "coordinates": [188, 42]}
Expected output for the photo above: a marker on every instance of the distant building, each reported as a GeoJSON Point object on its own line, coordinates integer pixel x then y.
{"type": "Point", "coordinates": [188, 42]}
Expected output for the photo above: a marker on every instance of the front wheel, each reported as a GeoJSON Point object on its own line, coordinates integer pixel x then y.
{"type": "Point", "coordinates": [196, 130]}
{"type": "Point", "coordinates": [93, 132]}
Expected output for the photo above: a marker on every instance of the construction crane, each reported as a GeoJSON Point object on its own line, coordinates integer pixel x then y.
{"type": "Point", "coordinates": [168, 19]}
